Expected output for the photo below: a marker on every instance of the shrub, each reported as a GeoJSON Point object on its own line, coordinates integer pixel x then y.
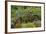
{"type": "Point", "coordinates": [37, 23]}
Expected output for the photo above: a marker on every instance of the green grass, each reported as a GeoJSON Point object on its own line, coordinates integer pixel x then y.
{"type": "Point", "coordinates": [28, 25]}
